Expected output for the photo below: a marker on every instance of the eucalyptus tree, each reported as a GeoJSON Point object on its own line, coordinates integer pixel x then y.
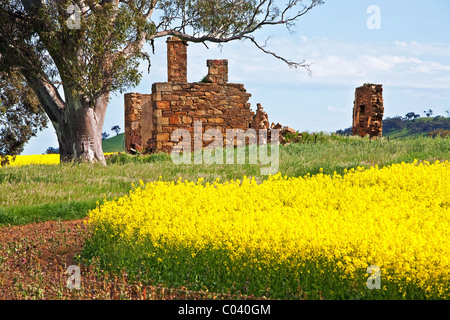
{"type": "Point", "coordinates": [74, 54]}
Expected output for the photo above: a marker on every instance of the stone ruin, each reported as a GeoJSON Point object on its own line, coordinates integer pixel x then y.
{"type": "Point", "coordinates": [150, 119]}
{"type": "Point", "coordinates": [368, 111]}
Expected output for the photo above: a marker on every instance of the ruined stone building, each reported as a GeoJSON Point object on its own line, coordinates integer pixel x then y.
{"type": "Point", "coordinates": [151, 118]}
{"type": "Point", "coordinates": [368, 111]}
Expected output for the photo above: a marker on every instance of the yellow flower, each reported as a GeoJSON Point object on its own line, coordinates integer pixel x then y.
{"type": "Point", "coordinates": [396, 218]}
{"type": "Point", "coordinates": [47, 159]}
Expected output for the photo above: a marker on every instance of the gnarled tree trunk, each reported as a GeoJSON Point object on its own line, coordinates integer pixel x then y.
{"type": "Point", "coordinates": [79, 130]}
{"type": "Point", "coordinates": [78, 122]}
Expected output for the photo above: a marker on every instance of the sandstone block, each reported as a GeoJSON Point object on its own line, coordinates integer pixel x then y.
{"type": "Point", "coordinates": [163, 104]}
{"type": "Point", "coordinates": [162, 121]}
{"type": "Point", "coordinates": [186, 120]}
{"type": "Point", "coordinates": [162, 87]}
{"type": "Point", "coordinates": [174, 120]}
{"type": "Point", "coordinates": [215, 120]}
{"type": "Point", "coordinates": [162, 137]}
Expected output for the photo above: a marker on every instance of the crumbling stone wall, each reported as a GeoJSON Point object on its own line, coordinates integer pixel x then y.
{"type": "Point", "coordinates": [368, 111]}
{"type": "Point", "coordinates": [151, 119]}
{"type": "Point", "coordinates": [178, 105]}
{"type": "Point", "coordinates": [261, 119]}
{"type": "Point", "coordinates": [138, 123]}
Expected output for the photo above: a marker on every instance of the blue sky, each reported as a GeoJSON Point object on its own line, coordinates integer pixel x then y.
{"type": "Point", "coordinates": [409, 55]}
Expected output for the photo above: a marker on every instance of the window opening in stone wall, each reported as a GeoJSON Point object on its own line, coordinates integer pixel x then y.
{"type": "Point", "coordinates": [362, 109]}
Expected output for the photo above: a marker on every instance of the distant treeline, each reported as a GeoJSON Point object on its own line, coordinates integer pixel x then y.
{"type": "Point", "coordinates": [413, 125]}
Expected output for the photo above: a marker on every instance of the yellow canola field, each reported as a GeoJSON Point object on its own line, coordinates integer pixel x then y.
{"type": "Point", "coordinates": [36, 159]}
{"type": "Point", "coordinates": [396, 218]}
{"type": "Point", "coordinates": [33, 159]}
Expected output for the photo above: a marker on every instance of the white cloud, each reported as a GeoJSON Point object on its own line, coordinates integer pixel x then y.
{"type": "Point", "coordinates": [401, 44]}
{"type": "Point", "coordinates": [413, 64]}
{"type": "Point", "coordinates": [386, 62]}
{"type": "Point", "coordinates": [431, 67]}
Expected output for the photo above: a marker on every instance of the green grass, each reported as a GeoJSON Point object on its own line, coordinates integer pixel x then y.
{"type": "Point", "coordinates": [68, 191]}
{"type": "Point", "coordinates": [212, 270]}
{"type": "Point", "coordinates": [404, 133]}
{"type": "Point", "coordinates": [50, 211]}
{"type": "Point", "coordinates": [114, 144]}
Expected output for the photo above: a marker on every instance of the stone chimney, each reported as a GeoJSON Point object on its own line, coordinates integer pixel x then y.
{"type": "Point", "coordinates": [368, 111]}
{"type": "Point", "coordinates": [176, 60]}
{"type": "Point", "coordinates": [217, 71]}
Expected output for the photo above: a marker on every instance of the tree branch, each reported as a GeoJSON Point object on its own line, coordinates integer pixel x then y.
{"type": "Point", "coordinates": [47, 94]}
{"type": "Point", "coordinates": [291, 64]}
{"type": "Point", "coordinates": [270, 16]}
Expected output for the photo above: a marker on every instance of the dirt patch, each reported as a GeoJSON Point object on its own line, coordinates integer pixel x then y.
{"type": "Point", "coordinates": [56, 240]}
{"type": "Point", "coordinates": [34, 260]}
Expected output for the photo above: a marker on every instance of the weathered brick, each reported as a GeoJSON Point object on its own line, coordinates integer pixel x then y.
{"type": "Point", "coordinates": [157, 113]}
{"type": "Point", "coordinates": [163, 104]}
{"type": "Point", "coordinates": [186, 119]}
{"type": "Point", "coordinates": [174, 120]}
{"type": "Point", "coordinates": [160, 137]}
{"type": "Point", "coordinates": [162, 87]}
{"type": "Point", "coordinates": [163, 121]}
{"type": "Point", "coordinates": [215, 120]}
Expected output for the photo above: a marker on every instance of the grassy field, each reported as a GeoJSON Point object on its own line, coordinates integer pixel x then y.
{"type": "Point", "coordinates": [42, 232]}
{"type": "Point", "coordinates": [65, 192]}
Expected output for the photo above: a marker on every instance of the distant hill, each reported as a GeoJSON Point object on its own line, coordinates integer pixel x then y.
{"type": "Point", "coordinates": [399, 127]}
{"type": "Point", "coordinates": [114, 144]}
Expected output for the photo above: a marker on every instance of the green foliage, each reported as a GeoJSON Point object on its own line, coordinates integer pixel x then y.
{"type": "Point", "coordinates": [104, 53]}
{"type": "Point", "coordinates": [116, 129]}
{"type": "Point", "coordinates": [72, 210]}
{"type": "Point", "coordinates": [97, 47]}
{"type": "Point", "coordinates": [105, 135]}
{"type": "Point", "coordinates": [218, 15]}
{"type": "Point", "coordinates": [425, 125]}
{"type": "Point", "coordinates": [213, 270]}
{"type": "Point", "coordinates": [295, 137]}
{"type": "Point", "coordinates": [21, 115]}
{"type": "Point", "coordinates": [205, 80]}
